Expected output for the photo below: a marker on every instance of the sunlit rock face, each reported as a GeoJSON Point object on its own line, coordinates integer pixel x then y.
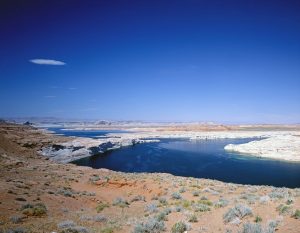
{"type": "Point", "coordinates": [282, 147]}
{"type": "Point", "coordinates": [84, 147]}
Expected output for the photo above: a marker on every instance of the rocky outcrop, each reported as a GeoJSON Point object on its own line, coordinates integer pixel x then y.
{"type": "Point", "coordinates": [281, 147]}
{"type": "Point", "coordinates": [84, 147]}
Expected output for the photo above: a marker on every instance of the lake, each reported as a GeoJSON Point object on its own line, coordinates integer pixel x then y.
{"type": "Point", "coordinates": [201, 159]}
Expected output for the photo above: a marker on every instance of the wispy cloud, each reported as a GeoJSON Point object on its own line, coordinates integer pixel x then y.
{"type": "Point", "coordinates": [50, 96]}
{"type": "Point", "coordinates": [47, 62]}
{"type": "Point", "coordinates": [72, 88]}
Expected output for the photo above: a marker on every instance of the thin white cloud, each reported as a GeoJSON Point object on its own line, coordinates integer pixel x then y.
{"type": "Point", "coordinates": [47, 62]}
{"type": "Point", "coordinates": [72, 88]}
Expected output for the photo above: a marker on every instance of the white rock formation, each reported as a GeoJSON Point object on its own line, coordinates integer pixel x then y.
{"type": "Point", "coordinates": [282, 147]}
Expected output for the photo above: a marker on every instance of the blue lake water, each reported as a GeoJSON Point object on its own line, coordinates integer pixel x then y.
{"type": "Point", "coordinates": [85, 133]}
{"type": "Point", "coordinates": [201, 159]}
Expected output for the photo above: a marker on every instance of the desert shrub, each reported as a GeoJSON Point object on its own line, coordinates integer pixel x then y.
{"type": "Point", "coordinates": [16, 230]}
{"type": "Point", "coordinates": [107, 230]}
{"type": "Point", "coordinates": [221, 203]}
{"type": "Point", "coordinates": [186, 203]}
{"type": "Point", "coordinates": [167, 211]}
{"type": "Point", "coordinates": [86, 218]}
{"type": "Point", "coordinates": [26, 206]}
{"type": "Point", "coordinates": [279, 193]}
{"type": "Point", "coordinates": [163, 201]}
{"type": "Point", "coordinates": [182, 190]}
{"type": "Point", "coordinates": [151, 208]}
{"type": "Point", "coordinates": [283, 209]}
{"type": "Point", "coordinates": [94, 178]}
{"type": "Point", "coordinates": [257, 219]}
{"type": "Point", "coordinates": [101, 206]}
{"type": "Point", "coordinates": [272, 224]}
{"type": "Point", "coordinates": [296, 214]}
{"type": "Point", "coordinates": [75, 229]}
{"type": "Point", "coordinates": [100, 218]}
{"type": "Point", "coordinates": [66, 224]}
{"type": "Point", "coordinates": [179, 227]}
{"type": "Point", "coordinates": [178, 208]}
{"type": "Point", "coordinates": [199, 207]}
{"type": "Point", "coordinates": [257, 228]}
{"type": "Point", "coordinates": [66, 191]}
{"type": "Point", "coordinates": [205, 202]}
{"type": "Point", "coordinates": [152, 225]}
{"type": "Point", "coordinates": [176, 196]}
{"type": "Point", "coordinates": [69, 226]}
{"type": "Point", "coordinates": [289, 201]}
{"type": "Point", "coordinates": [264, 199]}
{"type": "Point", "coordinates": [38, 209]}
{"type": "Point", "coordinates": [249, 197]}
{"type": "Point", "coordinates": [196, 193]}
{"type": "Point", "coordinates": [16, 219]}
{"type": "Point", "coordinates": [138, 198]}
{"type": "Point", "coordinates": [154, 198]}
{"type": "Point", "coordinates": [193, 218]}
{"type": "Point", "coordinates": [161, 217]}
{"type": "Point", "coordinates": [120, 202]}
{"type": "Point", "coordinates": [252, 228]}
{"type": "Point", "coordinates": [238, 211]}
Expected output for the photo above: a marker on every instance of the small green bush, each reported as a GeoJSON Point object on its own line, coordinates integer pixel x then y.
{"type": "Point", "coordinates": [296, 214]}
{"type": "Point", "coordinates": [38, 209]}
{"type": "Point", "coordinates": [258, 219]}
{"type": "Point", "coordinates": [283, 209]}
{"type": "Point", "coordinates": [101, 206]}
{"type": "Point", "coordinates": [205, 202]}
{"type": "Point", "coordinates": [179, 227]}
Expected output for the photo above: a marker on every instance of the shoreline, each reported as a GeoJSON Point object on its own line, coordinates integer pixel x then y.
{"type": "Point", "coordinates": [282, 149]}
{"type": "Point", "coordinates": [101, 200]}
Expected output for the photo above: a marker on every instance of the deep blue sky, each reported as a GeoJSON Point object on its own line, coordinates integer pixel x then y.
{"type": "Point", "coordinates": [225, 61]}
